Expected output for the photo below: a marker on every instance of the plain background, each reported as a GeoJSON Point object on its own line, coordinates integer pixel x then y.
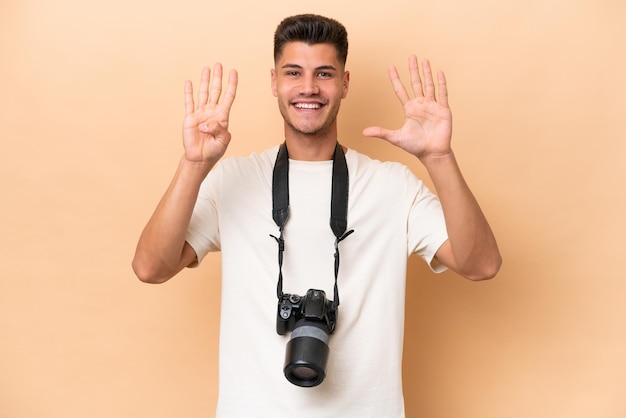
{"type": "Point", "coordinates": [91, 106]}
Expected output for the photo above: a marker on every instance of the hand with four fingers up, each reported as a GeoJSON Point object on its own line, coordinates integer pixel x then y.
{"type": "Point", "coordinates": [205, 128]}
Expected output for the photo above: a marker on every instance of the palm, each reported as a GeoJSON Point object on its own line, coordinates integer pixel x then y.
{"type": "Point", "coordinates": [205, 128]}
{"type": "Point", "coordinates": [205, 133]}
{"type": "Point", "coordinates": [427, 129]}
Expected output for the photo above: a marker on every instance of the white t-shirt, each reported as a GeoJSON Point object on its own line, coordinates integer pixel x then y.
{"type": "Point", "coordinates": [393, 216]}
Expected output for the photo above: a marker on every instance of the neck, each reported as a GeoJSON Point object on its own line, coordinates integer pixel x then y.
{"type": "Point", "coordinates": [308, 148]}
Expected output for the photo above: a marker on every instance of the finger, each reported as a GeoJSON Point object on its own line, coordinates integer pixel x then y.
{"type": "Point", "coordinates": [398, 87]}
{"type": "Point", "coordinates": [429, 86]}
{"type": "Point", "coordinates": [416, 81]}
{"type": "Point", "coordinates": [443, 89]}
{"type": "Point", "coordinates": [203, 94]}
{"type": "Point", "coordinates": [189, 106]}
{"type": "Point", "coordinates": [377, 132]}
{"type": "Point", "coordinates": [231, 89]}
{"type": "Point", "coordinates": [216, 84]}
{"type": "Point", "coordinates": [211, 127]}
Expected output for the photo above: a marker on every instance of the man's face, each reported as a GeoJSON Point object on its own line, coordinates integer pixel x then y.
{"type": "Point", "coordinates": [309, 83]}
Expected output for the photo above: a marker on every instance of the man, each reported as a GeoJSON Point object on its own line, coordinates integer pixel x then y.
{"type": "Point", "coordinates": [231, 207]}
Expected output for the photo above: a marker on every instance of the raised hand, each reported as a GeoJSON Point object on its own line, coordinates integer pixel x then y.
{"type": "Point", "coordinates": [427, 129]}
{"type": "Point", "coordinates": [205, 128]}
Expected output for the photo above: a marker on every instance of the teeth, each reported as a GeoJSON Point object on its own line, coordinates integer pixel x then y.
{"type": "Point", "coordinates": [307, 105]}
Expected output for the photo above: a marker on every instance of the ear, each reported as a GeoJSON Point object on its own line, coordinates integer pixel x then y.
{"type": "Point", "coordinates": [274, 90]}
{"type": "Point", "coordinates": [346, 84]}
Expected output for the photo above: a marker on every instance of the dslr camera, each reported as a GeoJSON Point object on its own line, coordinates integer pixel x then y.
{"type": "Point", "coordinates": [311, 319]}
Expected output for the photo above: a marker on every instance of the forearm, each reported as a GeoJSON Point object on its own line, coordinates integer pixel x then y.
{"type": "Point", "coordinates": [159, 254]}
{"type": "Point", "coordinates": [471, 250]}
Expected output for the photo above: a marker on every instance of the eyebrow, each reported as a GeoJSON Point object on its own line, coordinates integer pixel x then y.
{"type": "Point", "coordinates": [321, 67]}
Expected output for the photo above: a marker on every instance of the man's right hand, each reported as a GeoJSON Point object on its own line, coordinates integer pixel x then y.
{"type": "Point", "coordinates": [205, 128]}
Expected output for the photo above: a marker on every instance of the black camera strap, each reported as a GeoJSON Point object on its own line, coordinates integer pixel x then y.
{"type": "Point", "coordinates": [338, 207]}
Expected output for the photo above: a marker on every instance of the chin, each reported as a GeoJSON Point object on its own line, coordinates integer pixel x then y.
{"type": "Point", "coordinates": [310, 130]}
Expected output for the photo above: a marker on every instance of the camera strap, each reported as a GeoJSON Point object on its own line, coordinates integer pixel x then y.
{"type": "Point", "coordinates": [338, 207]}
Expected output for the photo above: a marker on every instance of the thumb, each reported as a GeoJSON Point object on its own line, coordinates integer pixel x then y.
{"type": "Point", "coordinates": [211, 127]}
{"type": "Point", "coordinates": [377, 132]}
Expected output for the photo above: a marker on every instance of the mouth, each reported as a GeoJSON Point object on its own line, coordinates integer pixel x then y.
{"type": "Point", "coordinates": [308, 106]}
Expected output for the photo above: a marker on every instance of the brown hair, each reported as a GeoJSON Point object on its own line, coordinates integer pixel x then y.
{"type": "Point", "coordinates": [311, 29]}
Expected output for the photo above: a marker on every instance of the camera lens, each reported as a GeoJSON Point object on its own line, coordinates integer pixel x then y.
{"type": "Point", "coordinates": [304, 373]}
{"type": "Point", "coordinates": [307, 354]}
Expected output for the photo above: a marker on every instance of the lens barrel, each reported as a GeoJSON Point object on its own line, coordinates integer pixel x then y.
{"type": "Point", "coordinates": [307, 354]}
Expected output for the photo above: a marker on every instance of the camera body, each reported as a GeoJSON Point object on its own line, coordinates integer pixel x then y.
{"type": "Point", "coordinates": [311, 319]}
{"type": "Point", "coordinates": [313, 306]}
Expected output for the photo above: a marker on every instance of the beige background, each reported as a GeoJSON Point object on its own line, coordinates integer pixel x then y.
{"type": "Point", "coordinates": [91, 109]}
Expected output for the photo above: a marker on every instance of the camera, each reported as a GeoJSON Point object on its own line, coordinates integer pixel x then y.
{"type": "Point", "coordinates": [311, 319]}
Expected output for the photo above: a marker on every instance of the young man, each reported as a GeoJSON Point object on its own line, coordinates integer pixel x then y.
{"type": "Point", "coordinates": [235, 207]}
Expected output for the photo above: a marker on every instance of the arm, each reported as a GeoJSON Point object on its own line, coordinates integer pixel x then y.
{"type": "Point", "coordinates": [471, 249]}
{"type": "Point", "coordinates": [162, 250]}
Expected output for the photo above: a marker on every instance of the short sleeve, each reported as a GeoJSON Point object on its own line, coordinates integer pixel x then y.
{"type": "Point", "coordinates": [203, 232]}
{"type": "Point", "coordinates": [426, 223]}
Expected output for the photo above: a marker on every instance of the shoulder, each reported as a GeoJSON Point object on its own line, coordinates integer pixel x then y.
{"type": "Point", "coordinates": [387, 180]}
{"type": "Point", "coordinates": [362, 165]}
{"type": "Point", "coordinates": [255, 161]}
{"type": "Point", "coordinates": [252, 166]}
{"type": "Point", "coordinates": [241, 172]}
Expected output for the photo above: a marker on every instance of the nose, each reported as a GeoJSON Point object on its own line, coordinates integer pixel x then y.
{"type": "Point", "coordinates": [309, 86]}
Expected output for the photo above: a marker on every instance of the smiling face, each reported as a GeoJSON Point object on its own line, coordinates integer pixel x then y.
{"type": "Point", "coordinates": [309, 83]}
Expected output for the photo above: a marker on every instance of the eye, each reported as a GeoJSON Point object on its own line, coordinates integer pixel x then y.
{"type": "Point", "coordinates": [292, 73]}
{"type": "Point", "coordinates": [324, 74]}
